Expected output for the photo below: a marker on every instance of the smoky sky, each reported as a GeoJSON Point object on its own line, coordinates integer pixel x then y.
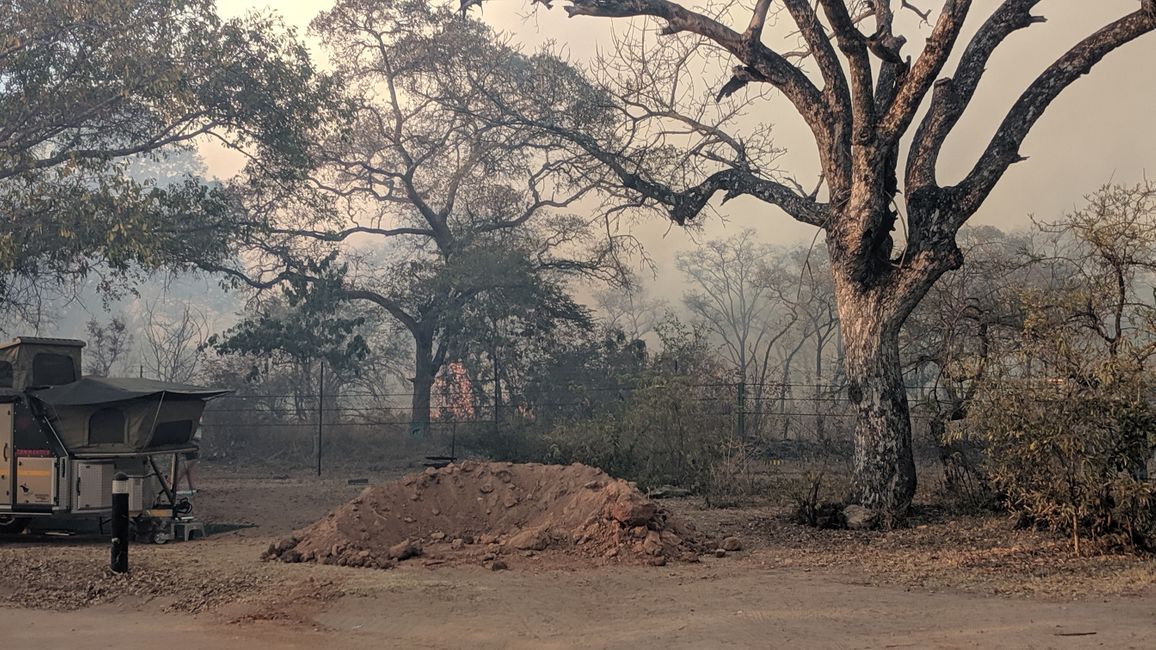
{"type": "Point", "coordinates": [1101, 129]}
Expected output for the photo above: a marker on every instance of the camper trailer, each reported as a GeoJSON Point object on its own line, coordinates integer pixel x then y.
{"type": "Point", "coordinates": [63, 437]}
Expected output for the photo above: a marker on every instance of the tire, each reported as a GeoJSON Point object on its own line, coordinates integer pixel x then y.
{"type": "Point", "coordinates": [11, 525]}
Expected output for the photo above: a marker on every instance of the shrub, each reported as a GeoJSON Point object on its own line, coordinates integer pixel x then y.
{"type": "Point", "coordinates": [1069, 454]}
{"type": "Point", "coordinates": [666, 433]}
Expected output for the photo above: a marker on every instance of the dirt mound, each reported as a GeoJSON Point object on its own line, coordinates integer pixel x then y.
{"type": "Point", "coordinates": [481, 511]}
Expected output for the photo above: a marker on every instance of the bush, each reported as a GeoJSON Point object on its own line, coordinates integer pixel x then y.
{"type": "Point", "coordinates": [666, 433]}
{"type": "Point", "coordinates": [1070, 454]}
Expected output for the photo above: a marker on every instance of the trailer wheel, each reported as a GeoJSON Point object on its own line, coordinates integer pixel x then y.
{"type": "Point", "coordinates": [10, 524]}
{"type": "Point", "coordinates": [160, 537]}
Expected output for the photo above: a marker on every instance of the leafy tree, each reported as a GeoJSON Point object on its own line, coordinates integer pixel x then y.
{"type": "Point", "coordinates": [442, 219]}
{"type": "Point", "coordinates": [86, 88]}
{"type": "Point", "coordinates": [860, 101]}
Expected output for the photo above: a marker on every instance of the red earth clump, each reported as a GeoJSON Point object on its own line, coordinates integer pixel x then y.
{"type": "Point", "coordinates": [486, 511]}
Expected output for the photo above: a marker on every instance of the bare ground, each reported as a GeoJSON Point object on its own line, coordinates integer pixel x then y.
{"type": "Point", "coordinates": [942, 583]}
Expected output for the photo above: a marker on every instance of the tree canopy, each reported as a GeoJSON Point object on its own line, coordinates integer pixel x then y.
{"type": "Point", "coordinates": [86, 88]}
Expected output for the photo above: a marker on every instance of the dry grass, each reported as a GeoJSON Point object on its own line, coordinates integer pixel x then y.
{"type": "Point", "coordinates": [974, 554]}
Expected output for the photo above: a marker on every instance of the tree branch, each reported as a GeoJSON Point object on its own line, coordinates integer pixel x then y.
{"type": "Point", "coordinates": [951, 96]}
{"type": "Point", "coordinates": [854, 46]}
{"type": "Point", "coordinates": [930, 62]}
{"type": "Point", "coordinates": [1003, 150]}
{"type": "Point", "coordinates": [769, 64]}
{"type": "Point", "coordinates": [820, 46]}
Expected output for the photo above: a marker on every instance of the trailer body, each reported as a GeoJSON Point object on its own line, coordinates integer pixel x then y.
{"type": "Point", "coordinates": [63, 437]}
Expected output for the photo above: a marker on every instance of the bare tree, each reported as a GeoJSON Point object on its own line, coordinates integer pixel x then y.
{"type": "Point", "coordinates": [727, 295]}
{"type": "Point", "coordinates": [174, 345]}
{"type": "Point", "coordinates": [813, 302]}
{"type": "Point", "coordinates": [108, 346]}
{"type": "Point", "coordinates": [630, 309]}
{"type": "Point", "coordinates": [866, 98]}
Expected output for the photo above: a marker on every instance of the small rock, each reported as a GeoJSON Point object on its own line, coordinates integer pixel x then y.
{"type": "Point", "coordinates": [668, 492]}
{"type": "Point", "coordinates": [533, 539]}
{"type": "Point", "coordinates": [657, 560]}
{"type": "Point", "coordinates": [732, 544]}
{"type": "Point", "coordinates": [438, 536]}
{"type": "Point", "coordinates": [486, 488]}
{"type": "Point", "coordinates": [488, 556]}
{"type": "Point", "coordinates": [859, 518]}
{"type": "Point", "coordinates": [457, 544]}
{"type": "Point", "coordinates": [499, 565]}
{"type": "Point", "coordinates": [632, 512]}
{"type": "Point", "coordinates": [720, 552]}
{"type": "Point", "coordinates": [652, 545]}
{"type": "Point", "coordinates": [404, 550]}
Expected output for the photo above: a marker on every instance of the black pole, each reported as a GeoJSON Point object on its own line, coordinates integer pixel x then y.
{"type": "Point", "coordinates": [120, 523]}
{"type": "Point", "coordinates": [320, 412]}
{"type": "Point", "coordinates": [742, 424]}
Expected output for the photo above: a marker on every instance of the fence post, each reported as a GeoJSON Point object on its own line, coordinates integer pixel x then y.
{"type": "Point", "coordinates": [120, 523]}
{"type": "Point", "coordinates": [742, 401]}
{"type": "Point", "coordinates": [320, 412]}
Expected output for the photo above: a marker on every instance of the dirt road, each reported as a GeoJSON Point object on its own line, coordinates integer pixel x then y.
{"type": "Point", "coordinates": [931, 586]}
{"type": "Point", "coordinates": [716, 605]}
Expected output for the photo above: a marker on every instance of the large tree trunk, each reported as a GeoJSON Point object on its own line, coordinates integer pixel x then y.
{"type": "Point", "coordinates": [884, 469]}
{"type": "Point", "coordinates": [871, 312]}
{"type": "Point", "coordinates": [425, 369]}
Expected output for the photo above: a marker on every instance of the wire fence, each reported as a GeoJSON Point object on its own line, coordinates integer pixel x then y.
{"type": "Point", "coordinates": [774, 420]}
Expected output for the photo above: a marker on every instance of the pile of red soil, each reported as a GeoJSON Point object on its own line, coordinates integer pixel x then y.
{"type": "Point", "coordinates": [482, 511]}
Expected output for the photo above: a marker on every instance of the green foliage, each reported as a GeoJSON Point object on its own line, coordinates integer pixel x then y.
{"type": "Point", "coordinates": [603, 400]}
{"type": "Point", "coordinates": [310, 321]}
{"type": "Point", "coordinates": [89, 88]}
{"type": "Point", "coordinates": [663, 433]}
{"type": "Point", "coordinates": [1069, 454]}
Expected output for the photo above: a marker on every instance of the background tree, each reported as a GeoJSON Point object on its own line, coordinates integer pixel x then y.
{"type": "Point", "coordinates": [436, 214]}
{"type": "Point", "coordinates": [87, 88]}
{"type": "Point", "coordinates": [727, 295]}
{"type": "Point", "coordinates": [970, 321]}
{"type": "Point", "coordinates": [108, 346]}
{"type": "Point", "coordinates": [863, 100]}
{"type": "Point", "coordinates": [630, 309]}
{"type": "Point", "coordinates": [173, 348]}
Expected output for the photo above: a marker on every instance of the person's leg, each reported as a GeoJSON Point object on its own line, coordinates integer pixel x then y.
{"type": "Point", "coordinates": [191, 474]}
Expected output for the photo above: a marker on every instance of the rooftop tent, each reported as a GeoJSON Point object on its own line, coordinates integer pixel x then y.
{"type": "Point", "coordinates": [102, 416]}
{"type": "Point", "coordinates": [28, 362]}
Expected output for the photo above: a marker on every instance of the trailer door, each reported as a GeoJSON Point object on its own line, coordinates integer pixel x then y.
{"type": "Point", "coordinates": [7, 457]}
